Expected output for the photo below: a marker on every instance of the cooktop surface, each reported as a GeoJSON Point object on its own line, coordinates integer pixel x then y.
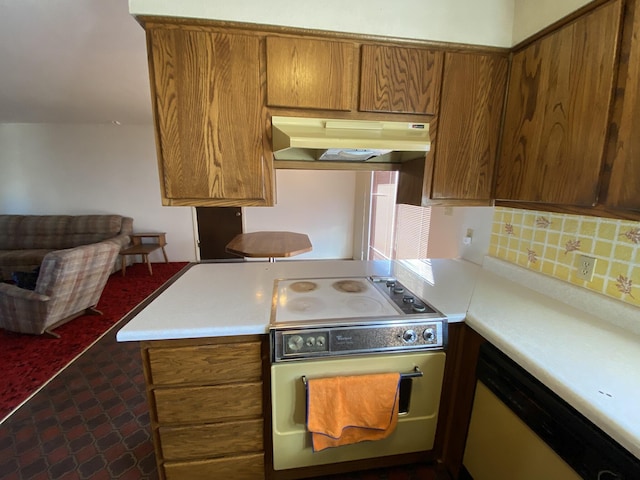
{"type": "Point", "coordinates": [365, 298]}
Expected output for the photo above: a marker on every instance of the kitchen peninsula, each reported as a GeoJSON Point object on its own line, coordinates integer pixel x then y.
{"type": "Point", "coordinates": [213, 321]}
{"type": "Point", "coordinates": [206, 355]}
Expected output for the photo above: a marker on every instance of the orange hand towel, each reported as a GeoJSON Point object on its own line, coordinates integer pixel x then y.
{"type": "Point", "coordinates": [352, 409]}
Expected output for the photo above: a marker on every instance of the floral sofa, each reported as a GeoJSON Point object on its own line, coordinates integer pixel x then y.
{"type": "Point", "coordinates": [26, 239]}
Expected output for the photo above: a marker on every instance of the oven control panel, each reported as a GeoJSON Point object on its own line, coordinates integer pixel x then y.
{"type": "Point", "coordinates": [358, 339]}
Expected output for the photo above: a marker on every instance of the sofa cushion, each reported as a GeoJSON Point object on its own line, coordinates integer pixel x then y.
{"type": "Point", "coordinates": [20, 260]}
{"type": "Point", "coordinates": [9, 258]}
{"type": "Point", "coordinates": [85, 229]}
{"type": "Point", "coordinates": [32, 231]}
{"type": "Point", "coordinates": [55, 232]}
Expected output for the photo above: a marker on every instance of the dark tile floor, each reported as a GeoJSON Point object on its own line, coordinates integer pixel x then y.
{"type": "Point", "coordinates": [91, 421]}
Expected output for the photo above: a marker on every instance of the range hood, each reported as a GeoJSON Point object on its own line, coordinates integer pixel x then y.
{"type": "Point", "coordinates": [332, 140]}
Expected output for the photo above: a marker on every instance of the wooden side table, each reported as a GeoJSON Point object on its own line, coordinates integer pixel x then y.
{"type": "Point", "coordinates": [144, 249]}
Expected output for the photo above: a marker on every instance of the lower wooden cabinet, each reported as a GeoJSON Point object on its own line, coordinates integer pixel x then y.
{"type": "Point", "coordinates": [206, 406]}
{"type": "Point", "coordinates": [192, 442]}
{"type": "Point", "coordinates": [246, 467]}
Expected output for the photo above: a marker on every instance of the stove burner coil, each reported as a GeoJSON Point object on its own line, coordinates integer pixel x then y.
{"type": "Point", "coordinates": [303, 286]}
{"type": "Point", "coordinates": [350, 286]}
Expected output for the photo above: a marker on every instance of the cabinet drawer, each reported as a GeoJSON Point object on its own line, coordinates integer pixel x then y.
{"type": "Point", "coordinates": [208, 404]}
{"type": "Point", "coordinates": [206, 364]}
{"type": "Point", "coordinates": [244, 467]}
{"type": "Point", "coordinates": [211, 440]}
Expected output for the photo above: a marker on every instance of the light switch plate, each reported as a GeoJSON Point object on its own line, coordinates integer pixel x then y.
{"type": "Point", "coordinates": [586, 266]}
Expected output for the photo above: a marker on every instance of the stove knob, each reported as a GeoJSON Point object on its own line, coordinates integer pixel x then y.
{"type": "Point", "coordinates": [320, 341]}
{"type": "Point", "coordinates": [295, 343]}
{"type": "Point", "coordinates": [409, 336]}
{"type": "Point", "coordinates": [418, 307]}
{"type": "Point", "coordinates": [391, 283]}
{"type": "Point", "coordinates": [310, 342]}
{"type": "Point", "coordinates": [429, 335]}
{"type": "Point", "coordinates": [398, 290]}
{"type": "Point", "coordinates": [408, 299]}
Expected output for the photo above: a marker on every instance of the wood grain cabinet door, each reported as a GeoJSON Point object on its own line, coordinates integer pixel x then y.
{"type": "Point", "coordinates": [623, 188]}
{"type": "Point", "coordinates": [466, 145]}
{"type": "Point", "coordinates": [210, 118]}
{"type": "Point", "coordinates": [400, 80]}
{"type": "Point", "coordinates": [558, 110]}
{"type": "Point", "coordinates": [309, 73]}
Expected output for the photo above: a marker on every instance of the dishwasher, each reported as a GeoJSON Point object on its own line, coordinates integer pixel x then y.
{"type": "Point", "coordinates": [521, 430]}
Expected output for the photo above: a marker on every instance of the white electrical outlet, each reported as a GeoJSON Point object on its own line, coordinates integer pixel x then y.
{"type": "Point", "coordinates": [586, 266]}
{"type": "Point", "coordinates": [468, 237]}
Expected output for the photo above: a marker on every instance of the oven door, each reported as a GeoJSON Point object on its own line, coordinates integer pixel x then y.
{"type": "Point", "coordinates": [416, 423]}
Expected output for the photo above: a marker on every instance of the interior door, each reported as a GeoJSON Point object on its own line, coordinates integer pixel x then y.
{"type": "Point", "coordinates": [216, 227]}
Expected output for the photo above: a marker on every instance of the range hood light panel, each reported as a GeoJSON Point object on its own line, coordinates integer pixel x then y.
{"type": "Point", "coordinates": [351, 154]}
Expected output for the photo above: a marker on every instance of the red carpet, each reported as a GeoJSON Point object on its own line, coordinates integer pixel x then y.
{"type": "Point", "coordinates": [27, 361]}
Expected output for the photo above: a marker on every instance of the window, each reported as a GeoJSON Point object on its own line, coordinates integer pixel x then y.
{"type": "Point", "coordinates": [395, 231]}
{"type": "Point", "coordinates": [383, 215]}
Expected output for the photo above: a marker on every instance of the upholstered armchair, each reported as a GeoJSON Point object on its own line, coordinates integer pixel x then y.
{"type": "Point", "coordinates": [70, 283]}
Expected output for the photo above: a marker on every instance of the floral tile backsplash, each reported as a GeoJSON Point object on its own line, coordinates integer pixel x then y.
{"type": "Point", "coordinates": [551, 243]}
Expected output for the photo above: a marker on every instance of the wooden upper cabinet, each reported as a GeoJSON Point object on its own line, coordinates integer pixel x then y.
{"type": "Point", "coordinates": [468, 126]}
{"type": "Point", "coordinates": [308, 73]}
{"type": "Point", "coordinates": [400, 80]}
{"type": "Point", "coordinates": [210, 118]}
{"type": "Point", "coordinates": [558, 110]}
{"type": "Point", "coordinates": [623, 188]}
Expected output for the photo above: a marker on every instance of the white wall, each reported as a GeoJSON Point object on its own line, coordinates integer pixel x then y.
{"type": "Point", "coordinates": [500, 23]}
{"type": "Point", "coordinates": [444, 232]}
{"type": "Point", "coordinates": [449, 227]}
{"type": "Point", "coordinates": [90, 169]}
{"type": "Point", "coordinates": [486, 22]}
{"type": "Point", "coordinates": [532, 16]}
{"type": "Point", "coordinates": [319, 203]}
{"type": "Point", "coordinates": [480, 220]}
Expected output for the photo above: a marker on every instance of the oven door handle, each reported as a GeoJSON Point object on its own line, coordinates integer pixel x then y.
{"type": "Point", "coordinates": [416, 373]}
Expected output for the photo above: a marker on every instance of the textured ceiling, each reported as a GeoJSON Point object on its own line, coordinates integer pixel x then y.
{"type": "Point", "coordinates": [72, 61]}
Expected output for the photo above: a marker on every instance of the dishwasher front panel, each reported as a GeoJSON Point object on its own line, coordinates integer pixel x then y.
{"type": "Point", "coordinates": [500, 446]}
{"type": "Point", "coordinates": [522, 430]}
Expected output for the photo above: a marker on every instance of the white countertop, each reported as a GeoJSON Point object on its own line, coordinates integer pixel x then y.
{"type": "Point", "coordinates": [593, 364]}
{"type": "Point", "coordinates": [223, 299]}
